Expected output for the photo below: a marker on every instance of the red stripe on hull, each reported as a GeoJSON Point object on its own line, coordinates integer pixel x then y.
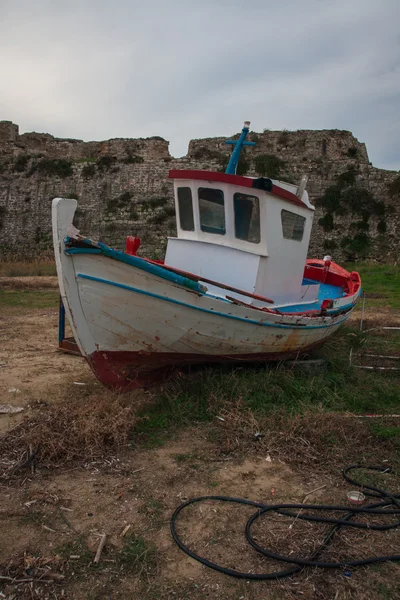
{"type": "Point", "coordinates": [124, 371]}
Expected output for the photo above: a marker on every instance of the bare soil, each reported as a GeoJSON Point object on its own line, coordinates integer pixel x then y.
{"type": "Point", "coordinates": [31, 366]}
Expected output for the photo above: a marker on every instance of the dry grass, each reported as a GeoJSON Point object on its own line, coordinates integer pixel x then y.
{"type": "Point", "coordinates": [74, 430]}
{"type": "Point", "coordinates": [313, 437]}
{"type": "Point", "coordinates": [23, 268]}
{"type": "Point", "coordinates": [28, 283]}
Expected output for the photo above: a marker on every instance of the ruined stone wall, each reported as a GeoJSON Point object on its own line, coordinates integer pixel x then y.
{"type": "Point", "coordinates": [122, 187]}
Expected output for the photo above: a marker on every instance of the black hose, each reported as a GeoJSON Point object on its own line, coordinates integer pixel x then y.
{"type": "Point", "coordinates": [378, 508]}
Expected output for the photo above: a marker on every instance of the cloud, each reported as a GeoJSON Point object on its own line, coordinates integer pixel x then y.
{"type": "Point", "coordinates": [183, 69]}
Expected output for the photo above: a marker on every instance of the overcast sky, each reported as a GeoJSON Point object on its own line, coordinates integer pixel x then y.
{"type": "Point", "coordinates": [185, 69]}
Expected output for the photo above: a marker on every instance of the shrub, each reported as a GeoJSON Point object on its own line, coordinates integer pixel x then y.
{"type": "Point", "coordinates": [88, 171]}
{"type": "Point", "coordinates": [121, 202]}
{"type": "Point", "coordinates": [21, 163]}
{"type": "Point", "coordinates": [124, 199]}
{"type": "Point", "coordinates": [268, 165]}
{"type": "Point", "coordinates": [283, 138]}
{"type": "Point", "coordinates": [58, 167]}
{"type": "Point", "coordinates": [133, 159]}
{"type": "Point", "coordinates": [327, 222]}
{"type": "Point", "coordinates": [105, 162]}
{"type": "Point", "coordinates": [331, 199]}
{"type": "Point", "coordinates": [359, 244]}
{"type": "Point", "coordinates": [154, 202]}
{"type": "Point", "coordinates": [205, 153]}
{"type": "Point", "coordinates": [348, 178]}
{"type": "Point", "coordinates": [352, 152]}
{"type": "Point", "coordinates": [361, 225]}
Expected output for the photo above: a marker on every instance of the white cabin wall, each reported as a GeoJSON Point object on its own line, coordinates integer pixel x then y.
{"type": "Point", "coordinates": [281, 274]}
{"type": "Point", "coordinates": [222, 264]}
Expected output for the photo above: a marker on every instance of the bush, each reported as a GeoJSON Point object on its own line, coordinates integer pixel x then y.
{"type": "Point", "coordinates": [331, 200]}
{"type": "Point", "coordinates": [154, 202]}
{"type": "Point", "coordinates": [133, 159]}
{"type": "Point", "coordinates": [327, 222]}
{"type": "Point", "coordinates": [359, 244]}
{"type": "Point", "coordinates": [283, 138]}
{"type": "Point", "coordinates": [58, 167]}
{"type": "Point", "coordinates": [361, 225]}
{"type": "Point", "coordinates": [205, 153]}
{"type": "Point", "coordinates": [348, 178]}
{"type": "Point", "coordinates": [21, 163]}
{"type": "Point", "coordinates": [88, 171]}
{"type": "Point", "coordinates": [352, 152]}
{"type": "Point", "coordinates": [268, 165]}
{"type": "Point", "coordinates": [105, 162]}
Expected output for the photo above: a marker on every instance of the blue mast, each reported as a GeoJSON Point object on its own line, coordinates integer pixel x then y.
{"type": "Point", "coordinates": [232, 165]}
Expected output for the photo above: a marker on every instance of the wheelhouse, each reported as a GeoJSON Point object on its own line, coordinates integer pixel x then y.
{"type": "Point", "coordinates": [251, 233]}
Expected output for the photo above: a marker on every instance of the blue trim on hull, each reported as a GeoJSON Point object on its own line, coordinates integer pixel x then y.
{"type": "Point", "coordinates": [140, 263]}
{"type": "Point", "coordinates": [183, 281]}
{"type": "Point", "coordinates": [83, 251]}
{"type": "Point", "coordinates": [201, 309]}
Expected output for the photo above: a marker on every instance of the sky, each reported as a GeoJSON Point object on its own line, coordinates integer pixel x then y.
{"type": "Point", "coordinates": [183, 69]}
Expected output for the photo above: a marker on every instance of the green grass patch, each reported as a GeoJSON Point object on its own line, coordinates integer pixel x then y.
{"type": "Point", "coordinates": [137, 556]}
{"type": "Point", "coordinates": [267, 389]}
{"type": "Point", "coordinates": [386, 432]}
{"type": "Point", "coordinates": [381, 283]}
{"type": "Point", "coordinates": [29, 299]}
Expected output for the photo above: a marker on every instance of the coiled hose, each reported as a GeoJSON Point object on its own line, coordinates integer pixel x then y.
{"type": "Point", "coordinates": [378, 508]}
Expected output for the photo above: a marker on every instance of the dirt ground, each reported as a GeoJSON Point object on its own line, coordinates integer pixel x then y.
{"type": "Point", "coordinates": [30, 364]}
{"type": "Point", "coordinates": [51, 522]}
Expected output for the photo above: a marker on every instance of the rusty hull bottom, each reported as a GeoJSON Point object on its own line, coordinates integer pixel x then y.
{"type": "Point", "coordinates": [123, 371]}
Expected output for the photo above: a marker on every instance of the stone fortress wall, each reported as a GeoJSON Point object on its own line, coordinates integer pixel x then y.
{"type": "Point", "coordinates": [122, 188]}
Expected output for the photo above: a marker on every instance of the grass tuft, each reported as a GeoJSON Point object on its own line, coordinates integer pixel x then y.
{"type": "Point", "coordinates": [138, 556]}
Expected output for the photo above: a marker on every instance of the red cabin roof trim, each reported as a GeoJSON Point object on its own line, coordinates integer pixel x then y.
{"type": "Point", "coordinates": [246, 182]}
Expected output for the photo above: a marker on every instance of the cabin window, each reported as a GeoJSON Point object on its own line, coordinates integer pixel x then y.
{"type": "Point", "coordinates": [212, 211]}
{"type": "Point", "coordinates": [292, 225]}
{"type": "Point", "coordinates": [247, 218]}
{"type": "Point", "coordinates": [185, 204]}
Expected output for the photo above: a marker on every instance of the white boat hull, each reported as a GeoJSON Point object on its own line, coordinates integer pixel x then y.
{"type": "Point", "coordinates": [131, 324]}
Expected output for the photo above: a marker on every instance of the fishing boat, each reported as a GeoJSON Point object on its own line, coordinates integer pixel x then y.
{"type": "Point", "coordinates": [235, 286]}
